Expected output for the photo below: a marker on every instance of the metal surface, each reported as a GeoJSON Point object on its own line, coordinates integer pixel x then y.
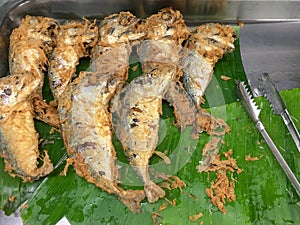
{"type": "Point", "coordinates": [273, 48]}
{"type": "Point", "coordinates": [253, 111]}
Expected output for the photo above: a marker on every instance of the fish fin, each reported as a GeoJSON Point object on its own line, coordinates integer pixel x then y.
{"type": "Point", "coordinates": [164, 157]}
{"type": "Point", "coordinates": [132, 199]}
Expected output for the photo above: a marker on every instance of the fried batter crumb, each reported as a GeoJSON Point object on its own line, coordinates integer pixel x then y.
{"type": "Point", "coordinates": [172, 182]}
{"type": "Point", "coordinates": [222, 189]}
{"type": "Point", "coordinates": [226, 78]}
{"type": "Point", "coordinates": [209, 152]}
{"type": "Point", "coordinates": [46, 112]}
{"type": "Point", "coordinates": [211, 125]}
{"type": "Point", "coordinates": [240, 23]}
{"type": "Point", "coordinates": [52, 130]}
{"type": "Point", "coordinates": [11, 198]}
{"type": "Point", "coordinates": [164, 157]}
{"type": "Point", "coordinates": [134, 68]}
{"type": "Point", "coordinates": [195, 217]}
{"type": "Point", "coordinates": [162, 207]}
{"type": "Point", "coordinates": [171, 202]}
{"type": "Point", "coordinates": [156, 217]}
{"type": "Point", "coordinates": [24, 206]}
{"type": "Point", "coordinates": [251, 159]}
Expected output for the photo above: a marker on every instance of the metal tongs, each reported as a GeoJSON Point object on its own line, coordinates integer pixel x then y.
{"type": "Point", "coordinates": [271, 93]}
{"type": "Point", "coordinates": [247, 101]}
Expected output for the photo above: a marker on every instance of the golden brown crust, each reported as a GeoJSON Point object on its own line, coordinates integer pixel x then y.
{"type": "Point", "coordinates": [19, 145]}
{"type": "Point", "coordinates": [212, 41]}
{"type": "Point", "coordinates": [122, 27]}
{"type": "Point", "coordinates": [168, 25]}
{"type": "Point", "coordinates": [75, 40]}
{"type": "Point", "coordinates": [36, 30]}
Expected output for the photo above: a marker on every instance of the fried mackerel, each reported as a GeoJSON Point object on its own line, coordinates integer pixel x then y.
{"type": "Point", "coordinates": [30, 44]}
{"type": "Point", "coordinates": [75, 40]}
{"type": "Point", "coordinates": [84, 109]}
{"type": "Point", "coordinates": [206, 45]}
{"type": "Point", "coordinates": [137, 108]}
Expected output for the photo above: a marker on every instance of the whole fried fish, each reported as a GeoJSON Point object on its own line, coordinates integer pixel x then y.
{"type": "Point", "coordinates": [30, 45]}
{"type": "Point", "coordinates": [136, 111]}
{"type": "Point", "coordinates": [205, 46]}
{"type": "Point", "coordinates": [137, 107]}
{"type": "Point", "coordinates": [87, 133]}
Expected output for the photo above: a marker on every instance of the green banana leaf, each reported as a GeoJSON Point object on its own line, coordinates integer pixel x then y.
{"type": "Point", "coordinates": [263, 193]}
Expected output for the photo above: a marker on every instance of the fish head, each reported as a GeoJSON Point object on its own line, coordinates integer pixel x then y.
{"type": "Point", "coordinates": [120, 28]}
{"type": "Point", "coordinates": [167, 24]}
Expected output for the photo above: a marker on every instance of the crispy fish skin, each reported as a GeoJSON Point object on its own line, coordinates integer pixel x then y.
{"type": "Point", "coordinates": [87, 133]}
{"type": "Point", "coordinates": [117, 32]}
{"type": "Point", "coordinates": [30, 45]}
{"type": "Point", "coordinates": [206, 45]}
{"type": "Point", "coordinates": [18, 138]}
{"type": "Point", "coordinates": [135, 111]}
{"type": "Point", "coordinates": [159, 54]}
{"type": "Point", "coordinates": [161, 46]}
{"type": "Point", "coordinates": [121, 27]}
{"type": "Point", "coordinates": [15, 89]}
{"type": "Point", "coordinates": [74, 41]}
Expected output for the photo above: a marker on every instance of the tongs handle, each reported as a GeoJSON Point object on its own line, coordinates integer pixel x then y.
{"type": "Point", "coordinates": [287, 170]}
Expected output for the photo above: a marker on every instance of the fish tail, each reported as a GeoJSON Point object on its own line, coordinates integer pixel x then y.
{"type": "Point", "coordinates": [132, 199]}
{"type": "Point", "coordinates": [153, 191]}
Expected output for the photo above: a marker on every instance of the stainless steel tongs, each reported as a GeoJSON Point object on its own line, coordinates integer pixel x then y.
{"type": "Point", "coordinates": [247, 101]}
{"type": "Point", "coordinates": [271, 93]}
